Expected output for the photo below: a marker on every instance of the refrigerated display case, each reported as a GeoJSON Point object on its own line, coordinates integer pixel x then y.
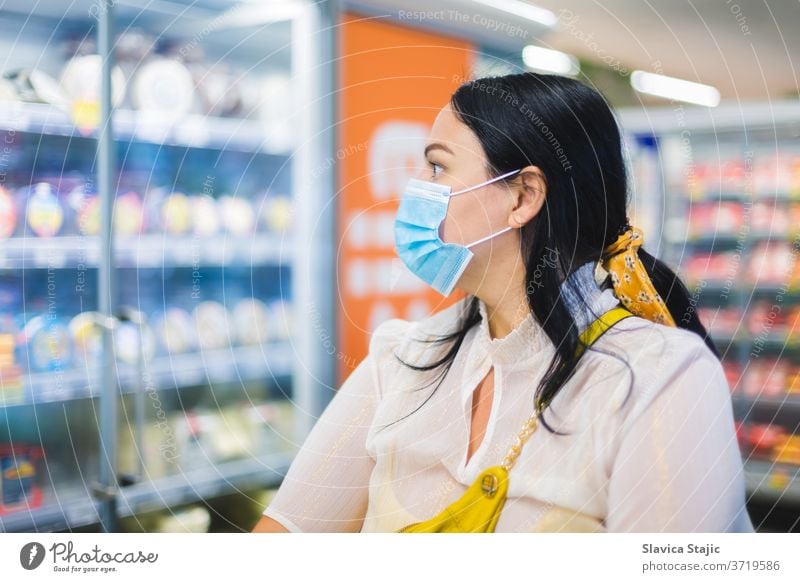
{"type": "Point", "coordinates": [180, 192]}
{"type": "Point", "coordinates": [730, 185]}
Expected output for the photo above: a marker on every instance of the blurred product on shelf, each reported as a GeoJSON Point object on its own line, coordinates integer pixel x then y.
{"type": "Point", "coordinates": [237, 215]}
{"type": "Point", "coordinates": [711, 267]}
{"type": "Point", "coordinates": [129, 214]}
{"type": "Point", "coordinates": [252, 322]}
{"type": "Point", "coordinates": [769, 441]}
{"type": "Point", "coordinates": [8, 213]}
{"type": "Point", "coordinates": [745, 175]}
{"type": "Point", "coordinates": [205, 215]}
{"type": "Point", "coordinates": [44, 213]}
{"type": "Point", "coordinates": [766, 378]}
{"type": "Point", "coordinates": [130, 338]}
{"type": "Point", "coordinates": [18, 475]}
{"type": "Point", "coordinates": [774, 263]}
{"type": "Point", "coordinates": [10, 372]}
{"type": "Point", "coordinates": [198, 439]}
{"type": "Point", "coordinates": [165, 84]}
{"type": "Point", "coordinates": [194, 447]}
{"type": "Point", "coordinates": [773, 219]}
{"type": "Point", "coordinates": [782, 323]}
{"type": "Point", "coordinates": [85, 206]}
{"type": "Point", "coordinates": [716, 219]}
{"type": "Point", "coordinates": [212, 322]}
{"type": "Point", "coordinates": [163, 89]}
{"type": "Point", "coordinates": [86, 338]}
{"type": "Point", "coordinates": [77, 212]}
{"type": "Point", "coordinates": [175, 330]}
{"type": "Point", "coordinates": [176, 214]}
{"type": "Point", "coordinates": [787, 449]}
{"type": "Point", "coordinates": [34, 86]}
{"type": "Point", "coordinates": [276, 213]}
{"type": "Point", "coordinates": [80, 80]}
{"type": "Point", "coordinates": [722, 322]}
{"type": "Point", "coordinates": [44, 343]}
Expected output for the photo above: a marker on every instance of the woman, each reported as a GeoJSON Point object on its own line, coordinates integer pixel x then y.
{"type": "Point", "coordinates": [525, 174]}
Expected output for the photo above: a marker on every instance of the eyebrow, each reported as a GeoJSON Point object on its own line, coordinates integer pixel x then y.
{"type": "Point", "coordinates": [438, 146]}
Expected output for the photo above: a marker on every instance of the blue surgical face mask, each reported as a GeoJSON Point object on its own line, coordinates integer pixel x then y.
{"type": "Point", "coordinates": [423, 207]}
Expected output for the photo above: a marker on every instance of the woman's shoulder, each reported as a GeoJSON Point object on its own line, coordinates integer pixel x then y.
{"type": "Point", "coordinates": [658, 358]}
{"type": "Point", "coordinates": [645, 339]}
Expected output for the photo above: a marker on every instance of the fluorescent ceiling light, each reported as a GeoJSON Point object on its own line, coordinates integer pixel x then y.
{"type": "Point", "coordinates": [550, 61]}
{"type": "Point", "coordinates": [677, 89]}
{"type": "Point", "coordinates": [523, 9]}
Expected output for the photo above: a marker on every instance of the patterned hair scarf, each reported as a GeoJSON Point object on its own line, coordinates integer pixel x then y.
{"type": "Point", "coordinates": [632, 284]}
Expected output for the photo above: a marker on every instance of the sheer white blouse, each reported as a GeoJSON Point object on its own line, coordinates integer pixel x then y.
{"type": "Point", "coordinates": [650, 443]}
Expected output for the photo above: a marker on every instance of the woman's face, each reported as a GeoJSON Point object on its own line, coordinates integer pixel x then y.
{"type": "Point", "coordinates": [455, 157]}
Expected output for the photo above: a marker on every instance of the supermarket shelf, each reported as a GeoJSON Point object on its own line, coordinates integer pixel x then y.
{"type": "Point", "coordinates": [270, 360]}
{"type": "Point", "coordinates": [733, 117]}
{"type": "Point", "coordinates": [72, 510]}
{"type": "Point", "coordinates": [732, 239]}
{"type": "Point", "coordinates": [789, 404]}
{"type": "Point", "coordinates": [158, 250]}
{"type": "Point", "coordinates": [147, 250]}
{"type": "Point", "coordinates": [79, 509]}
{"type": "Point", "coordinates": [716, 239]}
{"type": "Point", "coordinates": [193, 131]}
{"type": "Point", "coordinates": [769, 481]}
{"type": "Point", "coordinates": [224, 478]}
{"type": "Point", "coordinates": [743, 287]}
{"type": "Point", "coordinates": [713, 195]}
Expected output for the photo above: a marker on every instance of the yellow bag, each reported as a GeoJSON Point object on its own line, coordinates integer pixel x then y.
{"type": "Point", "coordinates": [478, 509]}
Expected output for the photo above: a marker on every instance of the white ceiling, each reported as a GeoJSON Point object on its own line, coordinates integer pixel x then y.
{"type": "Point", "coordinates": [748, 49]}
{"type": "Point", "coordinates": [700, 40]}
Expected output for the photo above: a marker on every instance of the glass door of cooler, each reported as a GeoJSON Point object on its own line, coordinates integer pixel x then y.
{"type": "Point", "coordinates": [204, 244]}
{"type": "Point", "coordinates": [216, 122]}
{"type": "Point", "coordinates": [49, 250]}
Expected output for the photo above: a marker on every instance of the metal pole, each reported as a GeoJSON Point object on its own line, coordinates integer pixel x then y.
{"type": "Point", "coordinates": [106, 170]}
{"type": "Point", "coordinates": [313, 268]}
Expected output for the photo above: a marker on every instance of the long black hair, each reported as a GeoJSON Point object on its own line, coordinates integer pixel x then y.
{"type": "Point", "coordinates": [567, 129]}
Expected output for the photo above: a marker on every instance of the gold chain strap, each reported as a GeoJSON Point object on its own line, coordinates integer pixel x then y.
{"type": "Point", "coordinates": [588, 337]}
{"type": "Point", "coordinates": [528, 429]}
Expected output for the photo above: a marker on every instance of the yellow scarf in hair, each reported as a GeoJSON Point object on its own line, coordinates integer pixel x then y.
{"type": "Point", "coordinates": [632, 284]}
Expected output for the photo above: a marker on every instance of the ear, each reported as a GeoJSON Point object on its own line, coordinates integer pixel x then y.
{"type": "Point", "coordinates": [528, 196]}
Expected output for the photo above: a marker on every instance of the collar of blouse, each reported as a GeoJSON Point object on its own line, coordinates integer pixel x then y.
{"type": "Point", "coordinates": [528, 340]}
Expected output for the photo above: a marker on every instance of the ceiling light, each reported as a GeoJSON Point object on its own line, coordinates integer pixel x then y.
{"type": "Point", "coordinates": [550, 61]}
{"type": "Point", "coordinates": [677, 89]}
{"type": "Point", "coordinates": [523, 9]}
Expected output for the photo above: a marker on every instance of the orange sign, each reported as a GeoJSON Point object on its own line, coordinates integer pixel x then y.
{"type": "Point", "coordinates": [393, 82]}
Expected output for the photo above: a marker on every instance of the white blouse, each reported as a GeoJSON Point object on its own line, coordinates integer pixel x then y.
{"type": "Point", "coordinates": [650, 443]}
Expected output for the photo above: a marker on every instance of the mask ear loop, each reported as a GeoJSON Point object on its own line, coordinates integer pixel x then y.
{"type": "Point", "coordinates": [499, 232]}
{"type": "Point", "coordinates": [506, 229]}
{"type": "Point", "coordinates": [484, 183]}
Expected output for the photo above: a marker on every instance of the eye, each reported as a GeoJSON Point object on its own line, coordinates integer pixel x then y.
{"type": "Point", "coordinates": [434, 166]}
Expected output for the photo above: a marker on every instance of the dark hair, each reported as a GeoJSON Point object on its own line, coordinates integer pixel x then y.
{"type": "Point", "coordinates": [567, 129]}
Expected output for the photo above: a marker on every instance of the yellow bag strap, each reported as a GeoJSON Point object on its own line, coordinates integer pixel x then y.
{"type": "Point", "coordinates": [590, 335]}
